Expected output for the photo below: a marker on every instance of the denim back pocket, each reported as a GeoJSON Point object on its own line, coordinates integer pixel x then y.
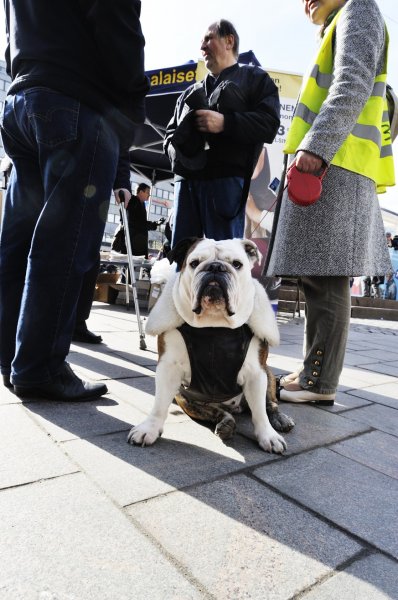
{"type": "Point", "coordinates": [52, 115]}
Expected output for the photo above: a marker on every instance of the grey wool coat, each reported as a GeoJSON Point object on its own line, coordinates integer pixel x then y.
{"type": "Point", "coordinates": [342, 233]}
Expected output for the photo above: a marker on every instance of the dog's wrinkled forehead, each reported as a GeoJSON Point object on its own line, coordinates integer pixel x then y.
{"type": "Point", "coordinates": [199, 250]}
{"type": "Point", "coordinates": [228, 251]}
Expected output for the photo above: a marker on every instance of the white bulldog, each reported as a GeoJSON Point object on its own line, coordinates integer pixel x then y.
{"type": "Point", "coordinates": [214, 323]}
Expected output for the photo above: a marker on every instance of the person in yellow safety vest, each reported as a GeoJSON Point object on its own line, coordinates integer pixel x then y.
{"type": "Point", "coordinates": [341, 124]}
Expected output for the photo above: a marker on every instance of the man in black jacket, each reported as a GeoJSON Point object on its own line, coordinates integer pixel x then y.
{"type": "Point", "coordinates": [78, 86]}
{"type": "Point", "coordinates": [215, 138]}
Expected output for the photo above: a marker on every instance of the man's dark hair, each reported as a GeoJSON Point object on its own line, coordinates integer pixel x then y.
{"type": "Point", "coordinates": [224, 28]}
{"type": "Point", "coordinates": [142, 187]}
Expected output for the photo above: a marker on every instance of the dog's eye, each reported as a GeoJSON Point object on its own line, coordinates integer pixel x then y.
{"type": "Point", "coordinates": [194, 264]}
{"type": "Point", "coordinates": [237, 264]}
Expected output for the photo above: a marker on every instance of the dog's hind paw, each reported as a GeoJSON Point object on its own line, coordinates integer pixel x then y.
{"type": "Point", "coordinates": [225, 429]}
{"type": "Point", "coordinates": [280, 421]}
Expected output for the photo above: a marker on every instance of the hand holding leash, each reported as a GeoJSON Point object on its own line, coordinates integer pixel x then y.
{"type": "Point", "coordinates": [304, 188]}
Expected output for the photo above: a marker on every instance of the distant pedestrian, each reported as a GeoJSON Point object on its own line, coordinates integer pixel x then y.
{"type": "Point", "coordinates": [138, 222]}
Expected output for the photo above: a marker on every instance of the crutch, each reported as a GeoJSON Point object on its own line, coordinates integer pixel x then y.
{"type": "Point", "coordinates": [131, 269]}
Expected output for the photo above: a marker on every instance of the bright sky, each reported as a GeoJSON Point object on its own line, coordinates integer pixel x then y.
{"type": "Point", "coordinates": [276, 30]}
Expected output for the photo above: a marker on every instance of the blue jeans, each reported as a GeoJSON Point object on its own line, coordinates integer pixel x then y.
{"type": "Point", "coordinates": [213, 208]}
{"type": "Point", "coordinates": [65, 158]}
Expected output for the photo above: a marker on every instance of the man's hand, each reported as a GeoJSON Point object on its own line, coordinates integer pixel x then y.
{"type": "Point", "coordinates": [127, 196]}
{"type": "Point", "coordinates": [209, 121]}
{"type": "Point", "coordinates": [308, 163]}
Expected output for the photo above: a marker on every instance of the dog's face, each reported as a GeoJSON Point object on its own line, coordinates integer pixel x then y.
{"type": "Point", "coordinates": [215, 286]}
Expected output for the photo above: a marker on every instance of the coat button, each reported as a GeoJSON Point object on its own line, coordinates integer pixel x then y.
{"type": "Point", "coordinates": [315, 373]}
{"type": "Point", "coordinates": [319, 352]}
{"type": "Point", "coordinates": [317, 363]}
{"type": "Point", "coordinates": [310, 382]}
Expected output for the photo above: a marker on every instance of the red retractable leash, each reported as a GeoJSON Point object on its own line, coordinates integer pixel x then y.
{"type": "Point", "coordinates": [304, 189]}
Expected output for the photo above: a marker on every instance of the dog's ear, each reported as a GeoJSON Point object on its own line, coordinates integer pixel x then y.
{"type": "Point", "coordinates": [252, 251]}
{"type": "Point", "coordinates": [180, 250]}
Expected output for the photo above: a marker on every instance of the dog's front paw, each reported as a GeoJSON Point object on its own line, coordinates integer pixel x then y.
{"type": "Point", "coordinates": [144, 434]}
{"type": "Point", "coordinates": [271, 441]}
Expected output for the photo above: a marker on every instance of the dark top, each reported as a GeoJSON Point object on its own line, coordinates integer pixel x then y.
{"type": "Point", "coordinates": [92, 50]}
{"type": "Point", "coordinates": [216, 355]}
{"type": "Point", "coordinates": [249, 101]}
{"type": "Point", "coordinates": [139, 226]}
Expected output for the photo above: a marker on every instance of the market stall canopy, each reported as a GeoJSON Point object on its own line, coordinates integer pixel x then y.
{"type": "Point", "coordinates": [146, 155]}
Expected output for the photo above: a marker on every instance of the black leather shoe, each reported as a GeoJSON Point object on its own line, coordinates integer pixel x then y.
{"type": "Point", "coordinates": [66, 386]}
{"type": "Point", "coordinates": [86, 336]}
{"type": "Point", "coordinates": [7, 381]}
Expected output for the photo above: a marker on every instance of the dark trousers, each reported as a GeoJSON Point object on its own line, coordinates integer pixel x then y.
{"type": "Point", "coordinates": [65, 159]}
{"type": "Point", "coordinates": [86, 295]}
{"type": "Point", "coordinates": [212, 208]}
{"type": "Point", "coordinates": [327, 321]}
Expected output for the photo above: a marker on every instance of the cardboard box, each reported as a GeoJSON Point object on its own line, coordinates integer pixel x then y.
{"type": "Point", "coordinates": [108, 277]}
{"type": "Point", "coordinates": [105, 293]}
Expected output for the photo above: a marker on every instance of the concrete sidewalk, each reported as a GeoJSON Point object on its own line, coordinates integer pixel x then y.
{"type": "Point", "coordinates": [86, 516]}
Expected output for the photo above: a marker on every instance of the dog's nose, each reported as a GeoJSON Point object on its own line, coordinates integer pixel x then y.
{"type": "Point", "coordinates": [216, 267]}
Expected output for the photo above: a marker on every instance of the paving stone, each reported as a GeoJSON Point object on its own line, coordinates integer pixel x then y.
{"type": "Point", "coordinates": [356, 359]}
{"type": "Point", "coordinates": [313, 427]}
{"type": "Point", "coordinates": [377, 416]}
{"type": "Point", "coordinates": [379, 355]}
{"type": "Point", "coordinates": [376, 450]}
{"type": "Point", "coordinates": [186, 454]}
{"type": "Point", "coordinates": [359, 377]}
{"type": "Point", "coordinates": [382, 394]}
{"type": "Point", "coordinates": [66, 421]}
{"type": "Point", "coordinates": [386, 368]}
{"type": "Point", "coordinates": [345, 401]}
{"type": "Point", "coordinates": [65, 540]}
{"type": "Point", "coordinates": [98, 366]}
{"type": "Point", "coordinates": [23, 446]}
{"type": "Point", "coordinates": [356, 346]}
{"type": "Point", "coordinates": [7, 396]}
{"type": "Point", "coordinates": [244, 540]}
{"type": "Point", "coordinates": [352, 495]}
{"type": "Point", "coordinates": [140, 393]}
{"type": "Point", "coordinates": [372, 578]}
{"type": "Point", "coordinates": [127, 341]}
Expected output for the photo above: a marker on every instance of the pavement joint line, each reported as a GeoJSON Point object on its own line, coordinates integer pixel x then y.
{"type": "Point", "coordinates": [38, 481]}
{"type": "Point", "coordinates": [177, 564]}
{"type": "Point", "coordinates": [358, 556]}
{"type": "Point", "coordinates": [332, 524]}
{"type": "Point", "coordinates": [358, 462]}
{"type": "Point", "coordinates": [245, 470]}
{"type": "Point", "coordinates": [350, 409]}
{"type": "Point", "coordinates": [281, 457]}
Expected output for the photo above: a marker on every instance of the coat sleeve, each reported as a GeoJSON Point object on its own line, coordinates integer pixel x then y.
{"type": "Point", "coordinates": [122, 179]}
{"type": "Point", "coordinates": [259, 124]}
{"type": "Point", "coordinates": [359, 44]}
{"type": "Point", "coordinates": [171, 128]}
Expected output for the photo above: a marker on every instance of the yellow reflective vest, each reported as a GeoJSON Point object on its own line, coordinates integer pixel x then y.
{"type": "Point", "coordinates": [367, 150]}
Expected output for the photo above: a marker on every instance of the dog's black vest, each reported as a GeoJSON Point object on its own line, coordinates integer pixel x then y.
{"type": "Point", "coordinates": [216, 355]}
